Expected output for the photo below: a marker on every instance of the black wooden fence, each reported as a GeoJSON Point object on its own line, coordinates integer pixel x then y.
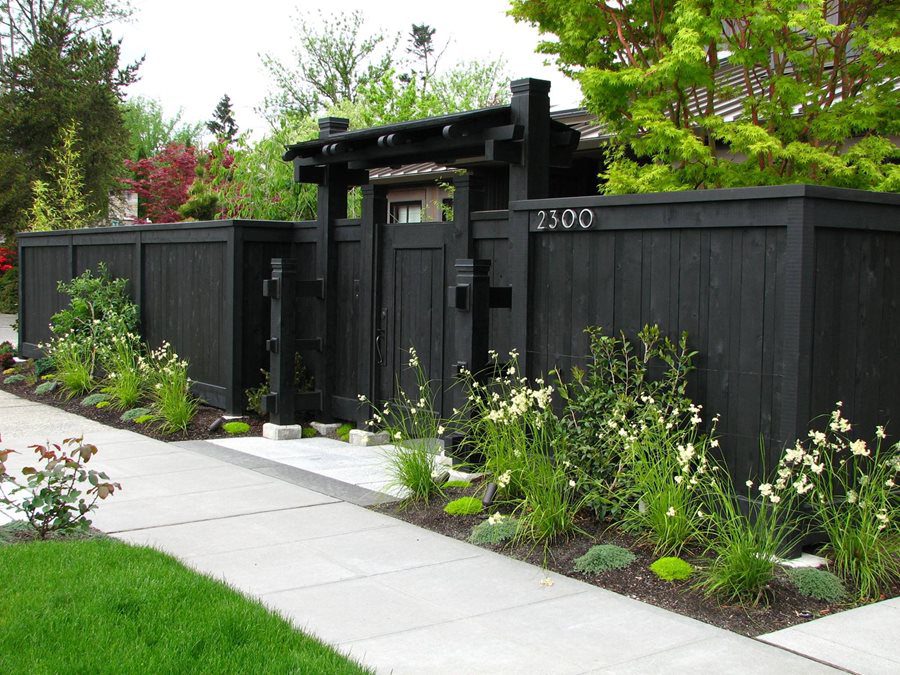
{"type": "Point", "coordinates": [789, 295]}
{"type": "Point", "coordinates": [197, 285]}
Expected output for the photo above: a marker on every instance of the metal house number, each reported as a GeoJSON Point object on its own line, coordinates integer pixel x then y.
{"type": "Point", "coordinates": [565, 219]}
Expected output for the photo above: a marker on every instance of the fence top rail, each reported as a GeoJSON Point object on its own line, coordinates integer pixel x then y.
{"type": "Point", "coordinates": [727, 194]}
{"type": "Point", "coordinates": [490, 215]}
{"type": "Point", "coordinates": [162, 227]}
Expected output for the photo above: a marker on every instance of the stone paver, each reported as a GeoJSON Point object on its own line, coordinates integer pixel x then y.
{"type": "Point", "coordinates": [400, 598]}
{"type": "Point", "coordinates": [862, 640]}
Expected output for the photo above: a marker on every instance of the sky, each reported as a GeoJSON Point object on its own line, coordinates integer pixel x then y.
{"type": "Point", "coordinates": [197, 50]}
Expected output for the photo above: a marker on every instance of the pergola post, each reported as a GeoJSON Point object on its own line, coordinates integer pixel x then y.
{"type": "Point", "coordinates": [332, 205]}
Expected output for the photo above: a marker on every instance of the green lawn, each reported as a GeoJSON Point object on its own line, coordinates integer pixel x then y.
{"type": "Point", "coordinates": [100, 605]}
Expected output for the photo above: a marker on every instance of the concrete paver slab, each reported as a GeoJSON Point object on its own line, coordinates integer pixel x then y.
{"type": "Point", "coordinates": [7, 334]}
{"type": "Point", "coordinates": [355, 609]}
{"type": "Point", "coordinates": [272, 568]}
{"type": "Point", "coordinates": [192, 481]}
{"type": "Point", "coordinates": [390, 549]}
{"type": "Point", "coordinates": [862, 640]}
{"type": "Point", "coordinates": [165, 463]}
{"type": "Point", "coordinates": [258, 529]}
{"type": "Point", "coordinates": [142, 513]}
{"type": "Point", "coordinates": [726, 653]}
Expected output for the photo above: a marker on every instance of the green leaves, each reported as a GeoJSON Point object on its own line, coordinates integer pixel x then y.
{"type": "Point", "coordinates": [667, 80]}
{"type": "Point", "coordinates": [52, 499]}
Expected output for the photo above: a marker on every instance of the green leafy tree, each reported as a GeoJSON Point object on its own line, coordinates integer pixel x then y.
{"type": "Point", "coordinates": [65, 76]}
{"type": "Point", "coordinates": [815, 81]}
{"type": "Point", "coordinates": [150, 130]}
{"type": "Point", "coordinates": [222, 125]}
{"type": "Point", "coordinates": [334, 58]}
{"type": "Point", "coordinates": [59, 203]}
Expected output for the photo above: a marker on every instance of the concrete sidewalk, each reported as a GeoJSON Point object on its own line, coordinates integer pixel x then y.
{"type": "Point", "coordinates": [399, 598]}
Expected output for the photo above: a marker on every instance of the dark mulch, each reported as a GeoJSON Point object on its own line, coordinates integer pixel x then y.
{"type": "Point", "coordinates": [197, 430]}
{"type": "Point", "coordinates": [783, 607]}
{"type": "Point", "coordinates": [21, 532]}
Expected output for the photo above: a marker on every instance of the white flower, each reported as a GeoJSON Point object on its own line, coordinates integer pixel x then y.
{"type": "Point", "coordinates": [440, 431]}
{"type": "Point", "coordinates": [749, 483]}
{"type": "Point", "coordinates": [496, 518]}
{"type": "Point", "coordinates": [714, 443]}
{"type": "Point", "coordinates": [546, 582]}
{"type": "Point", "coordinates": [397, 435]}
{"type": "Point", "coordinates": [858, 447]}
{"type": "Point", "coordinates": [695, 420]}
{"type": "Point", "coordinates": [671, 512]}
{"type": "Point", "coordinates": [678, 479]}
{"type": "Point", "coordinates": [503, 479]}
{"type": "Point", "coordinates": [765, 489]}
{"type": "Point", "coordinates": [774, 499]}
{"type": "Point", "coordinates": [571, 483]}
{"type": "Point", "coordinates": [879, 432]}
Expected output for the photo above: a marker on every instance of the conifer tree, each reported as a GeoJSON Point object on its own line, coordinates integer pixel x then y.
{"type": "Point", "coordinates": [222, 125]}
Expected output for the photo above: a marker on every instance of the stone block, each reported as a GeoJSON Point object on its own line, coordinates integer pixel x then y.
{"type": "Point", "coordinates": [367, 438]}
{"type": "Point", "coordinates": [281, 432]}
{"type": "Point", "coordinates": [326, 430]}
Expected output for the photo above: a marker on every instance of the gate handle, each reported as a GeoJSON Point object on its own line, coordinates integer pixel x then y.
{"type": "Point", "coordinates": [379, 343]}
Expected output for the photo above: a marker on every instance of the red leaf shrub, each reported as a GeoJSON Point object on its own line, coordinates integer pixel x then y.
{"type": "Point", "coordinates": [162, 181]}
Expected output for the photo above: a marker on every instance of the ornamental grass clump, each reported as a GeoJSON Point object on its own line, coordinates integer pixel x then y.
{"type": "Point", "coordinates": [508, 417]}
{"type": "Point", "coordinates": [497, 529]}
{"type": "Point", "coordinates": [121, 360]}
{"type": "Point", "coordinates": [672, 568]}
{"type": "Point", "coordinates": [817, 584]}
{"type": "Point", "coordinates": [411, 424]}
{"type": "Point", "coordinates": [173, 407]}
{"type": "Point", "coordinates": [851, 487]}
{"type": "Point", "coordinates": [603, 558]}
{"type": "Point", "coordinates": [746, 545]}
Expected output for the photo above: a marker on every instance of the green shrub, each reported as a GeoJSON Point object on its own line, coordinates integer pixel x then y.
{"type": "Point", "coordinates": [92, 298]}
{"type": "Point", "coordinates": [94, 399]}
{"type": "Point", "coordinates": [7, 355]}
{"type": "Point", "coordinates": [464, 506]}
{"type": "Point", "coordinates": [73, 355]}
{"type": "Point", "coordinates": [9, 291]}
{"type": "Point", "coordinates": [143, 419]}
{"type": "Point", "coordinates": [235, 428]}
{"type": "Point", "coordinates": [308, 432]}
{"type": "Point", "coordinates": [457, 484]}
{"type": "Point", "coordinates": [133, 414]}
{"type": "Point", "coordinates": [43, 366]}
{"type": "Point", "coordinates": [603, 558]}
{"type": "Point", "coordinates": [52, 497]}
{"type": "Point", "coordinates": [411, 466]}
{"type": "Point", "coordinates": [343, 432]}
{"type": "Point", "coordinates": [13, 379]}
{"type": "Point", "coordinates": [495, 530]}
{"type": "Point", "coordinates": [45, 387]}
{"type": "Point", "coordinates": [818, 584]}
{"type": "Point", "coordinates": [672, 569]}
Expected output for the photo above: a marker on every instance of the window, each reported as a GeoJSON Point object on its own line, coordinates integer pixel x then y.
{"type": "Point", "coordinates": [406, 212]}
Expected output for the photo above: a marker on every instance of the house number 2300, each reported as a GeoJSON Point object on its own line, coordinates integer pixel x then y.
{"type": "Point", "coordinates": [567, 219]}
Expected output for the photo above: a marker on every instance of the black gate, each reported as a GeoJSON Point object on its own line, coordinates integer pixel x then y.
{"type": "Point", "coordinates": [410, 306]}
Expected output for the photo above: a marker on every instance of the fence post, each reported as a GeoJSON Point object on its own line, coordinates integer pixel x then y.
{"type": "Point", "coordinates": [374, 213]}
{"type": "Point", "coordinates": [471, 296]}
{"type": "Point", "coordinates": [280, 290]}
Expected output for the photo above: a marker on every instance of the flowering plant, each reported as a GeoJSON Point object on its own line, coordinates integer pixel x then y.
{"type": "Point", "coordinates": [411, 422]}
{"type": "Point", "coordinates": [166, 374]}
{"type": "Point", "coordinates": [7, 259]}
{"type": "Point", "coordinates": [851, 485]}
{"type": "Point", "coordinates": [614, 403]}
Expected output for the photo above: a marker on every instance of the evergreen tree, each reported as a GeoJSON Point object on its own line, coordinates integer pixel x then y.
{"type": "Point", "coordinates": [64, 77]}
{"type": "Point", "coordinates": [222, 124]}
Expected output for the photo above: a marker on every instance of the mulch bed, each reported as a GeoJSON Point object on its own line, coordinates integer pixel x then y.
{"type": "Point", "coordinates": [784, 607]}
{"type": "Point", "coordinates": [20, 532]}
{"type": "Point", "coordinates": [198, 429]}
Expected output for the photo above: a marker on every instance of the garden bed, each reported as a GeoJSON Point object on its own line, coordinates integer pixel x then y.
{"type": "Point", "coordinates": [785, 606]}
{"type": "Point", "coordinates": [198, 428]}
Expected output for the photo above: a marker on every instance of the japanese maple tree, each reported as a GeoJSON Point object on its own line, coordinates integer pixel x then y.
{"type": "Point", "coordinates": [162, 182]}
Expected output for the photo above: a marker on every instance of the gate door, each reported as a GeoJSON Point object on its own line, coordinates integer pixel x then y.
{"type": "Point", "coordinates": [410, 306]}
